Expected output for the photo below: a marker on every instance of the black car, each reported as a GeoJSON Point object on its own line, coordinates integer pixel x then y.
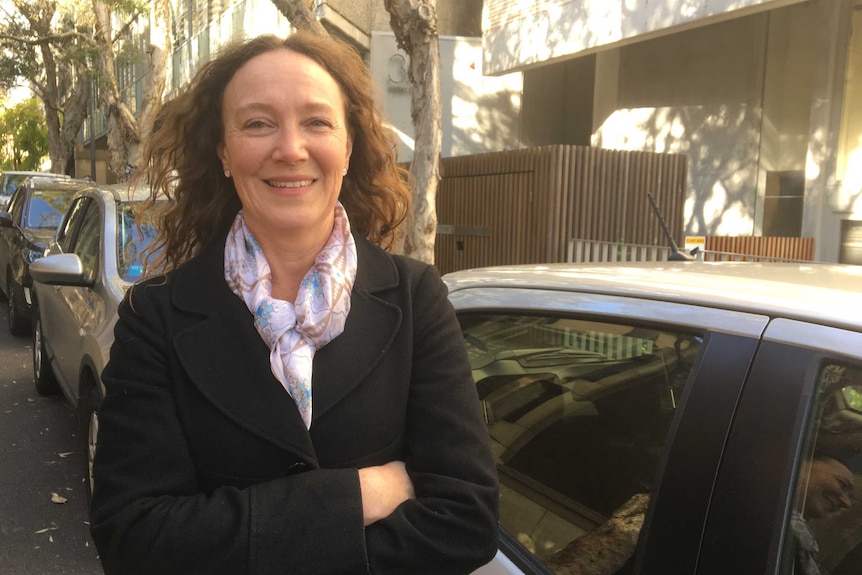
{"type": "Point", "coordinates": [33, 214]}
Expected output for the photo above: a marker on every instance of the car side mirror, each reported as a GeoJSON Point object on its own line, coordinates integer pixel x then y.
{"type": "Point", "coordinates": [60, 269]}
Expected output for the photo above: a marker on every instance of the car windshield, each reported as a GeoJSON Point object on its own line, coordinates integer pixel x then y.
{"type": "Point", "coordinates": [133, 237]}
{"type": "Point", "coordinates": [46, 208]}
{"type": "Point", "coordinates": [11, 183]}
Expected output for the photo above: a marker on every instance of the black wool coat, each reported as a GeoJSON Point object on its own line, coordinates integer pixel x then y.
{"type": "Point", "coordinates": [204, 465]}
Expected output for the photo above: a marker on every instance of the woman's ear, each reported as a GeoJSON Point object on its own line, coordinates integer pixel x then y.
{"type": "Point", "coordinates": [221, 155]}
{"type": "Point", "coordinates": [349, 150]}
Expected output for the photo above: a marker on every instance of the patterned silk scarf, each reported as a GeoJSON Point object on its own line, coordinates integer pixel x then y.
{"type": "Point", "coordinates": [294, 331]}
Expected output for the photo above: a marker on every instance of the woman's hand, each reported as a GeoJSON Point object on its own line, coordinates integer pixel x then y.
{"type": "Point", "coordinates": [384, 487]}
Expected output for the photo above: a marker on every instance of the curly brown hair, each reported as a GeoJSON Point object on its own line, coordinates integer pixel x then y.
{"type": "Point", "coordinates": [183, 165]}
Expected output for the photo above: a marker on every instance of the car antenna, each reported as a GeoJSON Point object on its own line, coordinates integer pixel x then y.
{"type": "Point", "coordinates": [676, 254]}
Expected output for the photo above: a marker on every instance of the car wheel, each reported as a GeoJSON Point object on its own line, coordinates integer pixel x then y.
{"type": "Point", "coordinates": [88, 419]}
{"type": "Point", "coordinates": [17, 321]}
{"type": "Point", "coordinates": [43, 375]}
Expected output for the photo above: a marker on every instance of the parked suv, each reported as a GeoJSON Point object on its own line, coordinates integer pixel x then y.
{"type": "Point", "coordinates": [34, 212]}
{"type": "Point", "coordinates": [674, 418]}
{"type": "Point", "coordinates": [97, 253]}
{"type": "Point", "coordinates": [9, 182]}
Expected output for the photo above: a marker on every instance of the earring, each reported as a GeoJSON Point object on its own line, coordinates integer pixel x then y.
{"type": "Point", "coordinates": [226, 173]}
{"type": "Point", "coordinates": [344, 172]}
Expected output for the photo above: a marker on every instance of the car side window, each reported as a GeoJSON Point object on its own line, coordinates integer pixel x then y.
{"type": "Point", "coordinates": [578, 413]}
{"type": "Point", "coordinates": [65, 233]}
{"type": "Point", "coordinates": [88, 241]}
{"type": "Point", "coordinates": [135, 233]}
{"type": "Point", "coordinates": [826, 536]}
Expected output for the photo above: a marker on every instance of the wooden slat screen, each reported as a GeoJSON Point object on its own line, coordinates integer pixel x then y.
{"type": "Point", "coordinates": [524, 206]}
{"type": "Point", "coordinates": [790, 248]}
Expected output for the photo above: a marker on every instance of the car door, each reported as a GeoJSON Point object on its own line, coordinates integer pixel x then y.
{"type": "Point", "coordinates": [53, 312]}
{"type": "Point", "coordinates": [75, 307]}
{"type": "Point", "coordinates": [608, 417]}
{"type": "Point", "coordinates": [801, 407]}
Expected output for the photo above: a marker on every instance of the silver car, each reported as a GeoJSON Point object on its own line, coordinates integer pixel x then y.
{"type": "Point", "coordinates": [669, 418]}
{"type": "Point", "coordinates": [95, 256]}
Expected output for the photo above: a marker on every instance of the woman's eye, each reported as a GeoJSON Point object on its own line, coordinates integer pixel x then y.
{"type": "Point", "coordinates": [321, 123]}
{"type": "Point", "coordinates": [255, 124]}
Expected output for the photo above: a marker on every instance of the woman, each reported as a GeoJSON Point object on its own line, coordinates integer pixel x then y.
{"type": "Point", "coordinates": [287, 397]}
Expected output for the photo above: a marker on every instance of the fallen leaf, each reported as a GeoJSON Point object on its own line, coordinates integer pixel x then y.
{"type": "Point", "coordinates": [66, 453]}
{"type": "Point", "coordinates": [57, 498]}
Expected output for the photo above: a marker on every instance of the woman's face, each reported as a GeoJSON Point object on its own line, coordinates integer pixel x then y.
{"type": "Point", "coordinates": [285, 143]}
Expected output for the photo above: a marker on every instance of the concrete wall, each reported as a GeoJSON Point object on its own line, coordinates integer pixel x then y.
{"type": "Point", "coordinates": [480, 114]}
{"type": "Point", "coordinates": [517, 35]}
{"type": "Point", "coordinates": [698, 92]}
{"type": "Point", "coordinates": [557, 103]}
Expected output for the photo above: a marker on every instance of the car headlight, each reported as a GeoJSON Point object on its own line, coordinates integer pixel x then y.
{"type": "Point", "coordinates": [33, 255]}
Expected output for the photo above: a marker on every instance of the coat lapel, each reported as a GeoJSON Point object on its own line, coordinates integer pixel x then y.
{"type": "Point", "coordinates": [227, 361]}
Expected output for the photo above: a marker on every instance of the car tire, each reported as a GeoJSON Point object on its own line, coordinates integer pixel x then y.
{"type": "Point", "coordinates": [17, 321]}
{"type": "Point", "coordinates": [43, 375]}
{"type": "Point", "coordinates": [88, 421]}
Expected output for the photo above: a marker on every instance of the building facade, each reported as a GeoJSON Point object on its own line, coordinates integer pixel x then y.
{"type": "Point", "coordinates": [765, 98]}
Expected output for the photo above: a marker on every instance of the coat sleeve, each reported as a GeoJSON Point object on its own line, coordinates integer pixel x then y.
{"type": "Point", "coordinates": [148, 514]}
{"type": "Point", "coordinates": [452, 525]}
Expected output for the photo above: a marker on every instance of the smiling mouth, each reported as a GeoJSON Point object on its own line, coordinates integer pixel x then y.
{"type": "Point", "coordinates": [298, 184]}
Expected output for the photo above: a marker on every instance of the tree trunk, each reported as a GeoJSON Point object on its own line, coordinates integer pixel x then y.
{"type": "Point", "coordinates": [415, 25]}
{"type": "Point", "coordinates": [123, 132]}
{"type": "Point", "coordinates": [300, 15]}
{"type": "Point", "coordinates": [157, 65]}
{"type": "Point", "coordinates": [74, 115]}
{"type": "Point", "coordinates": [52, 112]}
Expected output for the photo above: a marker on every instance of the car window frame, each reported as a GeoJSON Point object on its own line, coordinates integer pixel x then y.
{"type": "Point", "coordinates": [92, 208]}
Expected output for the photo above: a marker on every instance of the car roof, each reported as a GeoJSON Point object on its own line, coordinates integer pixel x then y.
{"type": "Point", "coordinates": [44, 174]}
{"type": "Point", "coordinates": [125, 191]}
{"type": "Point", "coordinates": [49, 183]}
{"type": "Point", "coordinates": [829, 294]}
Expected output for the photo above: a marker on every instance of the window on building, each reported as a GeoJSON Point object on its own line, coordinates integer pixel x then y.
{"type": "Point", "coordinates": [782, 206]}
{"type": "Point", "coordinates": [851, 242]}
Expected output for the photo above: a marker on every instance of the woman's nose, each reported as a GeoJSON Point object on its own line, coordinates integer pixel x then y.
{"type": "Point", "coordinates": [290, 145]}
